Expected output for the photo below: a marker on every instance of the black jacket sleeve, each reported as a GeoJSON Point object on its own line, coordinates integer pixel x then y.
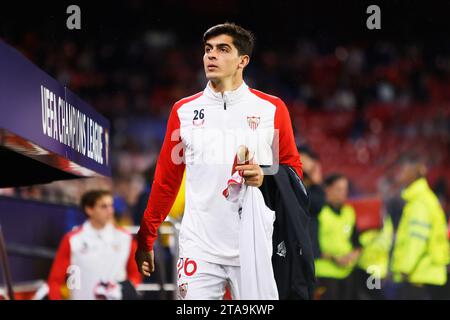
{"type": "Point", "coordinates": [355, 238]}
{"type": "Point", "coordinates": [317, 201]}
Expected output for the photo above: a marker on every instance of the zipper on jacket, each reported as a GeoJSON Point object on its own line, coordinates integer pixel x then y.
{"type": "Point", "coordinates": [225, 99]}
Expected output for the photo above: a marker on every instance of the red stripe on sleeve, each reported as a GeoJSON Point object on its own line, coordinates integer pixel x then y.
{"type": "Point", "coordinates": [288, 153]}
{"type": "Point", "coordinates": [167, 180]}
{"type": "Point", "coordinates": [57, 275]}
{"type": "Point", "coordinates": [132, 270]}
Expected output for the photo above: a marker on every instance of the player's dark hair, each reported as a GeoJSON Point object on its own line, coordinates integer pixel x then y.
{"type": "Point", "coordinates": [243, 39]}
{"type": "Point", "coordinates": [90, 198]}
{"type": "Point", "coordinates": [332, 178]}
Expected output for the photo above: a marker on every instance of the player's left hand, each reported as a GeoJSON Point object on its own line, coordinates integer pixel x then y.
{"type": "Point", "coordinates": [252, 173]}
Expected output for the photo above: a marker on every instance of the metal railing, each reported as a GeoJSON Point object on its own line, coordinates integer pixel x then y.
{"type": "Point", "coordinates": [172, 231]}
{"type": "Point", "coordinates": [5, 267]}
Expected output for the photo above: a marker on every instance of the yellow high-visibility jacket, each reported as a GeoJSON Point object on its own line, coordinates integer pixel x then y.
{"type": "Point", "coordinates": [335, 234]}
{"type": "Point", "coordinates": [376, 246]}
{"type": "Point", "coordinates": [421, 248]}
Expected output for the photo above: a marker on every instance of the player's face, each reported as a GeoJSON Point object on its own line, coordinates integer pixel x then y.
{"type": "Point", "coordinates": [337, 193]}
{"type": "Point", "coordinates": [102, 212]}
{"type": "Point", "coordinates": [221, 59]}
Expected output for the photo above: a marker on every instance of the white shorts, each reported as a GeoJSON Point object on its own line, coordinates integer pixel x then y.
{"type": "Point", "coordinates": [201, 280]}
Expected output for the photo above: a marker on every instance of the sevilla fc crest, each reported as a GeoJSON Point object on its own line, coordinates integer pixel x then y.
{"type": "Point", "coordinates": [182, 290]}
{"type": "Point", "coordinates": [253, 122]}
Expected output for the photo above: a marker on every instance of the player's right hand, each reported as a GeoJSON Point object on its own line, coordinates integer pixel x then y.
{"type": "Point", "coordinates": [145, 261]}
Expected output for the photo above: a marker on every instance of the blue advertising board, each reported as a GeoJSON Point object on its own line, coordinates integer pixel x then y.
{"type": "Point", "coordinates": [42, 119]}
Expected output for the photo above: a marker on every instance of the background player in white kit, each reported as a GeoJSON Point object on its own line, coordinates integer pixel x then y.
{"type": "Point", "coordinates": [209, 247]}
{"type": "Point", "coordinates": [97, 256]}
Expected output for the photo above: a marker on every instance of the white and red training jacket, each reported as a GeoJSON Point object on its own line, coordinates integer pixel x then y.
{"type": "Point", "coordinates": [90, 256]}
{"type": "Point", "coordinates": [206, 129]}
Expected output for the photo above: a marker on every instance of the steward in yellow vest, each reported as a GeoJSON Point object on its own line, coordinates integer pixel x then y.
{"type": "Point", "coordinates": [421, 250]}
{"type": "Point", "coordinates": [338, 241]}
{"type": "Point", "coordinates": [373, 262]}
{"type": "Point", "coordinates": [376, 246]}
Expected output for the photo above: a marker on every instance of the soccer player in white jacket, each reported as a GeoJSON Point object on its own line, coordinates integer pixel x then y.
{"type": "Point", "coordinates": [95, 260]}
{"type": "Point", "coordinates": [197, 140]}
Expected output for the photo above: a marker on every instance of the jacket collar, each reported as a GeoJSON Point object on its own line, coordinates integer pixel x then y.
{"type": "Point", "coordinates": [107, 233]}
{"type": "Point", "coordinates": [336, 210]}
{"type": "Point", "coordinates": [417, 187]}
{"type": "Point", "coordinates": [229, 97]}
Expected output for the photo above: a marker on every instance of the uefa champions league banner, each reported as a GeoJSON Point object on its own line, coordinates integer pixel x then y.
{"type": "Point", "coordinates": [42, 119]}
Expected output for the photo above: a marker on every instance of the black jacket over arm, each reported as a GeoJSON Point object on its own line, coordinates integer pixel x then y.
{"type": "Point", "coordinates": [292, 259]}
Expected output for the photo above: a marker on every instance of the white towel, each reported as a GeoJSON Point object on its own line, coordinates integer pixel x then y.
{"type": "Point", "coordinates": [255, 241]}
